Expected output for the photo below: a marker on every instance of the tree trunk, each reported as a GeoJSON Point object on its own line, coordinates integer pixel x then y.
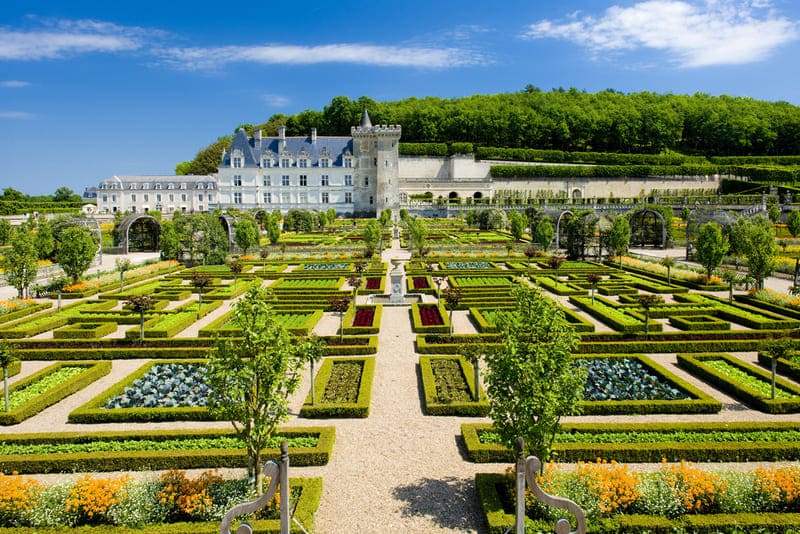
{"type": "Point", "coordinates": [796, 270]}
{"type": "Point", "coordinates": [313, 398]}
{"type": "Point", "coordinates": [5, 385]}
{"type": "Point", "coordinates": [774, 369]}
{"type": "Point", "coordinates": [141, 326]}
{"type": "Point", "coordinates": [477, 377]}
{"type": "Point", "coordinates": [259, 472]}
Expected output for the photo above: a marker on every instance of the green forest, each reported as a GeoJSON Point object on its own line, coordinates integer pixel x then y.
{"type": "Point", "coordinates": [565, 120]}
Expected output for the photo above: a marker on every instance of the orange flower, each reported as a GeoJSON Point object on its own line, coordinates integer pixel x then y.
{"type": "Point", "coordinates": [615, 487]}
{"type": "Point", "coordinates": [697, 490]}
{"type": "Point", "coordinates": [92, 497]}
{"type": "Point", "coordinates": [17, 494]}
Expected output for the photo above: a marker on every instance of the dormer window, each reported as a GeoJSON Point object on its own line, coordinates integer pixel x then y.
{"type": "Point", "coordinates": [285, 162]}
{"type": "Point", "coordinates": [170, 186]}
{"type": "Point", "coordinates": [348, 162]}
{"type": "Point", "coordinates": [157, 186]}
{"type": "Point", "coordinates": [237, 159]}
{"type": "Point", "coordinates": [303, 163]}
{"type": "Point", "coordinates": [183, 185]}
{"type": "Point", "coordinates": [324, 162]}
{"type": "Point", "coordinates": [266, 162]}
{"type": "Point", "coordinates": [132, 186]}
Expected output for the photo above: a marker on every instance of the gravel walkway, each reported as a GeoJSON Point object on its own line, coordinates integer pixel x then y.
{"type": "Point", "coordinates": [397, 470]}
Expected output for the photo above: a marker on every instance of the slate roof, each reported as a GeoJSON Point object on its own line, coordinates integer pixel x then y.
{"type": "Point", "coordinates": [334, 147]}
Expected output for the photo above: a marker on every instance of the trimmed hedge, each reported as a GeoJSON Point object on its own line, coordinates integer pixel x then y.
{"type": "Point", "coordinates": [360, 408]}
{"type": "Point", "coordinates": [13, 369]}
{"type": "Point", "coordinates": [93, 411]}
{"type": "Point", "coordinates": [698, 322]}
{"type": "Point", "coordinates": [349, 316]}
{"type": "Point", "coordinates": [169, 324]}
{"type": "Point", "coordinates": [599, 171]}
{"type": "Point", "coordinates": [304, 509]}
{"type": "Point", "coordinates": [613, 317]}
{"type": "Point", "coordinates": [94, 371]}
{"type": "Point", "coordinates": [694, 364]}
{"type": "Point", "coordinates": [501, 521]}
{"type": "Point", "coordinates": [433, 406]}
{"type": "Point", "coordinates": [30, 310]}
{"type": "Point", "coordinates": [156, 459]}
{"type": "Point", "coordinates": [85, 330]}
{"type": "Point", "coordinates": [648, 452]}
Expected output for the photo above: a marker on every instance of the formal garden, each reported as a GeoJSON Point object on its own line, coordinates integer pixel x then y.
{"type": "Point", "coordinates": [669, 364]}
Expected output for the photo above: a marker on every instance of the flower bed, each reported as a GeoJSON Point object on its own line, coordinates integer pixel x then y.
{"type": "Point", "coordinates": [429, 318]}
{"type": "Point", "coordinates": [651, 442]}
{"type": "Point", "coordinates": [45, 388]}
{"type": "Point", "coordinates": [326, 267]}
{"type": "Point", "coordinates": [172, 504]}
{"type": "Point", "coordinates": [420, 282]}
{"type": "Point", "coordinates": [365, 319]}
{"type": "Point", "coordinates": [373, 283]}
{"type": "Point", "coordinates": [343, 387]}
{"type": "Point", "coordinates": [480, 281]}
{"type": "Point", "coordinates": [678, 498]}
{"type": "Point", "coordinates": [448, 383]}
{"type": "Point", "coordinates": [154, 449]}
{"type": "Point", "coordinates": [748, 383]}
{"type": "Point", "coordinates": [467, 265]}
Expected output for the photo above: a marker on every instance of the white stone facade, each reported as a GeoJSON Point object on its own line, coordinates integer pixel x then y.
{"type": "Point", "coordinates": [167, 194]}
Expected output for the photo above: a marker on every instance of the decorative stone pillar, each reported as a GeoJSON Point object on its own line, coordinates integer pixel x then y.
{"type": "Point", "coordinates": [396, 278]}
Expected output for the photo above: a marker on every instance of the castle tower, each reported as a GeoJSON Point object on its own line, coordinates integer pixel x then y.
{"type": "Point", "coordinates": [377, 152]}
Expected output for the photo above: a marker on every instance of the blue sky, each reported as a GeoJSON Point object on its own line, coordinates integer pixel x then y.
{"type": "Point", "coordinates": [93, 89]}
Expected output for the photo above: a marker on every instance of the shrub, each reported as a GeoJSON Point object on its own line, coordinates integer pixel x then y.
{"type": "Point", "coordinates": [90, 498]}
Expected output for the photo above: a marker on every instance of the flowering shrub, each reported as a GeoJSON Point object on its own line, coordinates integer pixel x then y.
{"type": "Point", "coordinates": [7, 306]}
{"type": "Point", "coordinates": [699, 491]}
{"type": "Point", "coordinates": [773, 297]}
{"type": "Point", "coordinates": [613, 485]}
{"type": "Point", "coordinates": [80, 287]}
{"type": "Point", "coordinates": [778, 489]}
{"type": "Point", "coordinates": [91, 498]}
{"type": "Point", "coordinates": [187, 499]}
{"type": "Point", "coordinates": [17, 495]}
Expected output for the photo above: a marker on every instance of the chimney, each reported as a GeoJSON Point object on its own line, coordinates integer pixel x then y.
{"type": "Point", "coordinates": [257, 139]}
{"type": "Point", "coordinates": [281, 137]}
{"type": "Point", "coordinates": [313, 135]}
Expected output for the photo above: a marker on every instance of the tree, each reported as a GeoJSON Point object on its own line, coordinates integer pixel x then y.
{"type": "Point", "coordinates": [385, 217]}
{"type": "Point", "coordinates": [594, 279]}
{"type": "Point", "coordinates": [517, 224]}
{"type": "Point", "coordinates": [530, 253]}
{"type": "Point", "coordinates": [793, 225]}
{"type": "Point", "coordinates": [273, 227]}
{"type": "Point", "coordinates": [20, 263]}
{"type": "Point", "coordinates": [554, 262]}
{"type": "Point", "coordinates": [774, 213]}
{"type": "Point", "coordinates": [141, 304]}
{"type": "Point", "coordinates": [76, 252]}
{"type": "Point", "coordinates": [452, 296]}
{"type": "Point", "coordinates": [122, 265]}
{"type": "Point", "coordinates": [711, 247]}
{"type": "Point", "coordinates": [668, 262]}
{"type": "Point", "coordinates": [544, 232]}
{"type": "Point", "coordinates": [65, 194]}
{"type": "Point", "coordinates": [169, 241]}
{"type": "Point", "coordinates": [761, 250]}
{"type": "Point", "coordinates": [619, 236]}
{"type": "Point", "coordinates": [473, 352]}
{"type": "Point", "coordinates": [313, 354]}
{"type": "Point", "coordinates": [7, 357]}
{"type": "Point", "coordinates": [372, 236]}
{"type": "Point", "coordinates": [264, 254]}
{"type": "Point", "coordinates": [732, 277]}
{"type": "Point", "coordinates": [245, 233]}
{"type": "Point", "coordinates": [418, 232]}
{"type": "Point", "coordinates": [532, 378]}
{"type": "Point", "coordinates": [5, 231]}
{"type": "Point", "coordinates": [775, 349]}
{"type": "Point", "coordinates": [580, 232]}
{"type": "Point", "coordinates": [340, 305]}
{"type": "Point", "coordinates": [252, 378]}
{"type": "Point", "coordinates": [44, 241]}
{"type": "Point", "coordinates": [200, 281]}
{"type": "Point", "coordinates": [647, 301]}
{"type": "Point", "coordinates": [236, 268]}
{"type": "Point", "coordinates": [355, 282]}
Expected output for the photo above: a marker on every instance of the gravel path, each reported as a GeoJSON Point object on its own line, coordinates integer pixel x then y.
{"type": "Point", "coordinates": [397, 470]}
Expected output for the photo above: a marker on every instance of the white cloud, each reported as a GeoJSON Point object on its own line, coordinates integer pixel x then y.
{"type": "Point", "coordinates": [692, 34]}
{"type": "Point", "coordinates": [375, 55]}
{"type": "Point", "coordinates": [24, 115]}
{"type": "Point", "coordinates": [277, 101]}
{"type": "Point", "coordinates": [59, 38]}
{"type": "Point", "coordinates": [13, 84]}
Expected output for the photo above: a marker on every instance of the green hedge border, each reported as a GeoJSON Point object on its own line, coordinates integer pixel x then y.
{"type": "Point", "coordinates": [706, 451]}
{"type": "Point", "coordinates": [349, 316]}
{"type": "Point", "coordinates": [434, 407]}
{"type": "Point", "coordinates": [158, 459]}
{"type": "Point", "coordinates": [358, 409]}
{"type": "Point", "coordinates": [499, 522]}
{"type": "Point", "coordinates": [706, 322]}
{"type": "Point", "coordinates": [94, 371]}
{"type": "Point", "coordinates": [30, 310]}
{"type": "Point", "coordinates": [693, 363]}
{"type": "Point", "coordinates": [305, 508]}
{"type": "Point", "coordinates": [81, 330]}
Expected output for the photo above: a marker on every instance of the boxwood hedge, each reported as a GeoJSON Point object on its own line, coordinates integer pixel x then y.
{"type": "Point", "coordinates": [360, 408]}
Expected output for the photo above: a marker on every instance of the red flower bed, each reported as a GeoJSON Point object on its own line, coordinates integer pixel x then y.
{"type": "Point", "coordinates": [421, 283]}
{"type": "Point", "coordinates": [364, 317]}
{"type": "Point", "coordinates": [430, 316]}
{"type": "Point", "coordinates": [373, 283]}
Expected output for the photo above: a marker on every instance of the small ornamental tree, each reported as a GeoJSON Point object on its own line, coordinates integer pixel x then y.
{"type": "Point", "coordinates": [439, 280]}
{"type": "Point", "coordinates": [619, 237]}
{"type": "Point", "coordinates": [775, 349]}
{"type": "Point", "coordinates": [452, 296]}
{"type": "Point", "coordinates": [251, 378]}
{"type": "Point", "coordinates": [7, 357]}
{"type": "Point", "coordinates": [355, 282]}
{"type": "Point", "coordinates": [530, 253]}
{"type": "Point", "coordinates": [793, 225]}
{"type": "Point", "coordinates": [711, 247]}
{"type": "Point", "coordinates": [313, 354]}
{"type": "Point", "coordinates": [544, 233]}
{"type": "Point", "coordinates": [372, 236]}
{"type": "Point", "coordinates": [20, 263]}
{"type": "Point", "coordinates": [141, 304]}
{"type": "Point", "coordinates": [200, 281]}
{"type": "Point", "coordinates": [668, 262]}
{"type": "Point", "coordinates": [532, 378]}
{"type": "Point", "coordinates": [264, 254]}
{"type": "Point", "coordinates": [594, 279]}
{"type": "Point", "coordinates": [732, 278]}
{"type": "Point", "coordinates": [554, 262]}
{"type": "Point", "coordinates": [236, 268]}
{"type": "Point", "coordinates": [340, 305]}
{"type": "Point", "coordinates": [122, 265]}
{"type": "Point", "coordinates": [647, 301]}
{"type": "Point", "coordinates": [246, 233]}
